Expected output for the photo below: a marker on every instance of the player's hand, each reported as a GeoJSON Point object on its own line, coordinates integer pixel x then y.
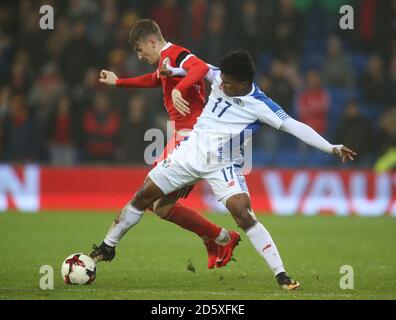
{"type": "Point", "coordinates": [108, 77]}
{"type": "Point", "coordinates": [179, 103]}
{"type": "Point", "coordinates": [164, 71]}
{"type": "Point", "coordinates": [344, 153]}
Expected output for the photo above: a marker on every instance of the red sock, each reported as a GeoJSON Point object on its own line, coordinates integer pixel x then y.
{"type": "Point", "coordinates": [191, 220]}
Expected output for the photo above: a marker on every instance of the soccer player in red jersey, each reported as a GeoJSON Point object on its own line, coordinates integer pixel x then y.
{"type": "Point", "coordinates": [184, 99]}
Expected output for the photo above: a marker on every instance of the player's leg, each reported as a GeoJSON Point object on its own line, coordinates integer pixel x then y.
{"type": "Point", "coordinates": [230, 187]}
{"type": "Point", "coordinates": [129, 216]}
{"type": "Point", "coordinates": [165, 178]}
{"type": "Point", "coordinates": [168, 209]}
{"type": "Point", "coordinates": [240, 208]}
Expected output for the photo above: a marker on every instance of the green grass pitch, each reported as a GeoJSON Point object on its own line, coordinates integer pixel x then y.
{"type": "Point", "coordinates": [152, 260]}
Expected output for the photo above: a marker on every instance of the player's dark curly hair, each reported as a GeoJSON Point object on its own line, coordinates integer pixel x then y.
{"type": "Point", "coordinates": [142, 29]}
{"type": "Point", "coordinates": [239, 65]}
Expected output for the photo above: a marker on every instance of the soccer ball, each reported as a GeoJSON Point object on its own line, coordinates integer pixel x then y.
{"type": "Point", "coordinates": [78, 268]}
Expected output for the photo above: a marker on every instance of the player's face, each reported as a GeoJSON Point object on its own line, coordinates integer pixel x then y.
{"type": "Point", "coordinates": [145, 50]}
{"type": "Point", "coordinates": [232, 87]}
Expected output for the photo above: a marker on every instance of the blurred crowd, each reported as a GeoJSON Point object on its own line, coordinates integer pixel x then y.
{"type": "Point", "coordinates": [54, 111]}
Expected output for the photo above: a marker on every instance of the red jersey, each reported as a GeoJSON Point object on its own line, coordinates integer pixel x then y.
{"type": "Point", "coordinates": [176, 56]}
{"type": "Point", "coordinates": [191, 87]}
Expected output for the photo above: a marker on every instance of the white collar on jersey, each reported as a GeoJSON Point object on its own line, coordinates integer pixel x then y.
{"type": "Point", "coordinates": [168, 44]}
{"type": "Point", "coordinates": [252, 91]}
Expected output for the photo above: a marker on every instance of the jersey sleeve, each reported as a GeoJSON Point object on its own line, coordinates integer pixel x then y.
{"type": "Point", "coordinates": [271, 113]}
{"type": "Point", "coordinates": [308, 135]}
{"type": "Point", "coordinates": [212, 73]}
{"type": "Point", "coordinates": [150, 80]}
{"type": "Point", "coordinates": [196, 71]}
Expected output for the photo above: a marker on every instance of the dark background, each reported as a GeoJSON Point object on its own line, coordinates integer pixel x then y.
{"type": "Point", "coordinates": [54, 111]}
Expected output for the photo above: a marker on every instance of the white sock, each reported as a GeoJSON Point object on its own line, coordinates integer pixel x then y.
{"type": "Point", "coordinates": [265, 246]}
{"type": "Point", "coordinates": [128, 217]}
{"type": "Point", "coordinates": [223, 237]}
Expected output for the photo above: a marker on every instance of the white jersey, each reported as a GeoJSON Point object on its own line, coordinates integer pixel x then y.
{"type": "Point", "coordinates": [227, 123]}
{"type": "Point", "coordinates": [213, 149]}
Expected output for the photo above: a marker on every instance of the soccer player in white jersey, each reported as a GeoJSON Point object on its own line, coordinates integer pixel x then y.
{"type": "Point", "coordinates": [235, 110]}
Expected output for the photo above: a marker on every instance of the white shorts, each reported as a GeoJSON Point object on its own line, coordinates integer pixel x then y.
{"type": "Point", "coordinates": [176, 172]}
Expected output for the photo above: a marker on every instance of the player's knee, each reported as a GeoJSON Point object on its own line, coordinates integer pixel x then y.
{"type": "Point", "coordinates": [142, 199]}
{"type": "Point", "coordinates": [240, 209]}
{"type": "Point", "coordinates": [146, 195]}
{"type": "Point", "coordinates": [162, 211]}
{"type": "Point", "coordinates": [243, 218]}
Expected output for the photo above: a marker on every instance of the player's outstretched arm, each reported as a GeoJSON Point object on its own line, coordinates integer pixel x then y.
{"type": "Point", "coordinates": [149, 80]}
{"type": "Point", "coordinates": [311, 137]}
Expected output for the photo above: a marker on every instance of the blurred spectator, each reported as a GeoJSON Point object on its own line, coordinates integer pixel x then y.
{"type": "Point", "coordinates": [82, 9]}
{"type": "Point", "coordinates": [132, 144]}
{"type": "Point", "coordinates": [283, 36]}
{"type": "Point", "coordinates": [287, 29]}
{"type": "Point", "coordinates": [249, 33]}
{"type": "Point", "coordinates": [8, 21]}
{"type": "Point", "coordinates": [119, 39]}
{"type": "Point", "coordinates": [59, 38]}
{"type": "Point", "coordinates": [194, 23]}
{"type": "Point", "coordinates": [387, 130]}
{"type": "Point", "coordinates": [387, 141]}
{"type": "Point", "coordinates": [354, 130]}
{"type": "Point", "coordinates": [83, 94]}
{"type": "Point", "coordinates": [77, 56]}
{"type": "Point", "coordinates": [385, 27]}
{"type": "Point", "coordinates": [168, 15]}
{"type": "Point", "coordinates": [313, 103]}
{"type": "Point", "coordinates": [373, 81]}
{"type": "Point", "coordinates": [106, 33]}
{"type": "Point", "coordinates": [216, 43]}
{"type": "Point", "coordinates": [117, 60]}
{"type": "Point", "coordinates": [368, 9]}
{"type": "Point", "coordinates": [19, 132]}
{"type": "Point", "coordinates": [390, 84]}
{"type": "Point", "coordinates": [5, 97]}
{"type": "Point", "coordinates": [337, 70]}
{"type": "Point", "coordinates": [60, 134]}
{"type": "Point", "coordinates": [31, 38]}
{"type": "Point", "coordinates": [281, 90]}
{"type": "Point", "coordinates": [46, 90]}
{"type": "Point", "coordinates": [5, 55]}
{"type": "Point", "coordinates": [101, 125]}
{"type": "Point", "coordinates": [20, 72]}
